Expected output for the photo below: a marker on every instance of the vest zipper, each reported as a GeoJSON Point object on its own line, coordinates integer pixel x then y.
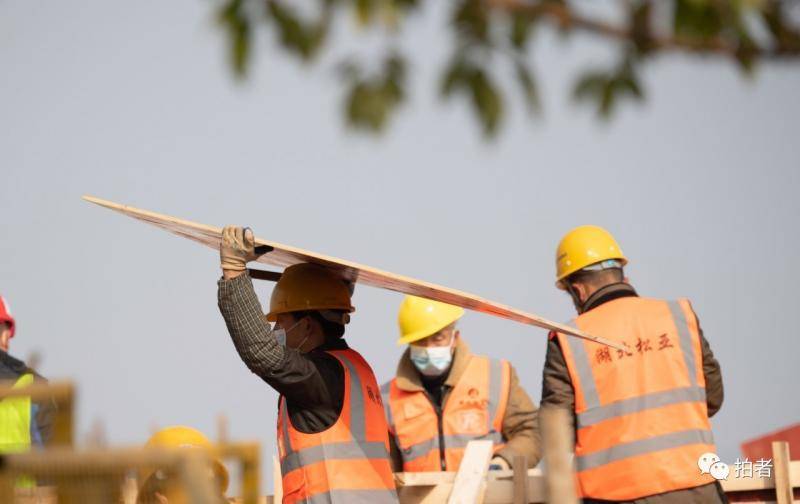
{"type": "Point", "coordinates": [441, 440]}
{"type": "Point", "coordinates": [440, 425]}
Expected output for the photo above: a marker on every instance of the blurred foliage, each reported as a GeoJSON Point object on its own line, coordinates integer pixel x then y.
{"type": "Point", "coordinates": [493, 37]}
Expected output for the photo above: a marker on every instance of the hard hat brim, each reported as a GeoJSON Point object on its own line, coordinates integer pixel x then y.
{"type": "Point", "coordinates": [560, 280]}
{"type": "Point", "coordinates": [273, 315]}
{"type": "Point", "coordinates": [422, 334]}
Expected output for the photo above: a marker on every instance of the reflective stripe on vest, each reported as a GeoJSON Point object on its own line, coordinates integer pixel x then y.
{"type": "Point", "coordinates": [15, 420]}
{"type": "Point", "coordinates": [646, 428]}
{"type": "Point", "coordinates": [349, 461]}
{"type": "Point", "coordinates": [451, 441]}
{"type": "Point", "coordinates": [626, 450]}
{"type": "Point", "coordinates": [480, 396]}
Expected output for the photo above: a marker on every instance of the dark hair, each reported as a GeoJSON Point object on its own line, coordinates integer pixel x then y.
{"type": "Point", "coordinates": [331, 330]}
{"type": "Point", "coordinates": [599, 278]}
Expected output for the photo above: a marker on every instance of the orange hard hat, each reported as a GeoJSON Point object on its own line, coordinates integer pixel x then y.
{"type": "Point", "coordinates": [308, 286]}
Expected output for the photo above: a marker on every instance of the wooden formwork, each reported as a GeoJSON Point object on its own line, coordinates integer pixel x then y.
{"type": "Point", "coordinates": [66, 476]}
{"type": "Point", "coordinates": [533, 486]}
{"type": "Point", "coordinates": [500, 486]}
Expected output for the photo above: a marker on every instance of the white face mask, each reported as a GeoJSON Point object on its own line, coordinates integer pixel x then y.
{"type": "Point", "coordinates": [280, 334]}
{"type": "Point", "coordinates": [432, 361]}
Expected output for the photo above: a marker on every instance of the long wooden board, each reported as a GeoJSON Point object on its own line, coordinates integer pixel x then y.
{"type": "Point", "coordinates": [285, 255]}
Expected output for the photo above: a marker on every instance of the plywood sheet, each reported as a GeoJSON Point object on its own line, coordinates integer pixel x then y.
{"type": "Point", "coordinates": [284, 255]}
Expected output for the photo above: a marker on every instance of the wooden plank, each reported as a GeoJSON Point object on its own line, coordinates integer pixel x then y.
{"type": "Point", "coordinates": [435, 487]}
{"type": "Point", "coordinates": [284, 255]}
{"type": "Point", "coordinates": [520, 467]}
{"type": "Point", "coordinates": [277, 479]}
{"type": "Point", "coordinates": [783, 483]}
{"type": "Point", "coordinates": [409, 479]}
{"type": "Point", "coordinates": [469, 485]}
{"type": "Point", "coordinates": [557, 443]}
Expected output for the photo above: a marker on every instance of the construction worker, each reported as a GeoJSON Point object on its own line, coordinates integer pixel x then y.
{"type": "Point", "coordinates": [444, 396]}
{"type": "Point", "coordinates": [158, 487]}
{"type": "Point", "coordinates": [23, 422]}
{"type": "Point", "coordinates": [332, 434]}
{"type": "Point", "coordinates": [641, 415]}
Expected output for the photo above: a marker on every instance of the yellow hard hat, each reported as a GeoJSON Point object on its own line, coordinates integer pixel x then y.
{"type": "Point", "coordinates": [181, 436]}
{"type": "Point", "coordinates": [582, 247]}
{"type": "Point", "coordinates": [309, 286]}
{"type": "Point", "coordinates": [420, 317]}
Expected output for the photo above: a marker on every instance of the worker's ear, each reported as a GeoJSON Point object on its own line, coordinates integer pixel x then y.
{"type": "Point", "coordinates": [581, 292]}
{"type": "Point", "coordinates": [5, 338]}
{"type": "Point", "coordinates": [305, 323]}
{"type": "Point", "coordinates": [625, 280]}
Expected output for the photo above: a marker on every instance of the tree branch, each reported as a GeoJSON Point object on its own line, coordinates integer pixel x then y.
{"type": "Point", "coordinates": [566, 18]}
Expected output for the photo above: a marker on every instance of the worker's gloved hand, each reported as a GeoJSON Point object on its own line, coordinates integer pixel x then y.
{"type": "Point", "coordinates": [237, 248]}
{"type": "Point", "coordinates": [498, 464]}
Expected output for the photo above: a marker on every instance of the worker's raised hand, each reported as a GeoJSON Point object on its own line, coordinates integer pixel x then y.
{"type": "Point", "coordinates": [237, 248]}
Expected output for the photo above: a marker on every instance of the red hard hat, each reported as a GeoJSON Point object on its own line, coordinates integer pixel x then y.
{"type": "Point", "coordinates": [5, 315]}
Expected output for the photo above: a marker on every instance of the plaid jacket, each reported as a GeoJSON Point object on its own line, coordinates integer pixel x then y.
{"type": "Point", "coordinates": [313, 383]}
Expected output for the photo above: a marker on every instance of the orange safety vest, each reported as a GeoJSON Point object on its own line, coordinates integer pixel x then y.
{"type": "Point", "coordinates": [642, 420]}
{"type": "Point", "coordinates": [349, 461]}
{"type": "Point", "coordinates": [474, 409]}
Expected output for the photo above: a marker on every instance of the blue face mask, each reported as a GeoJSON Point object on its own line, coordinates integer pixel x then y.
{"type": "Point", "coordinates": [431, 361]}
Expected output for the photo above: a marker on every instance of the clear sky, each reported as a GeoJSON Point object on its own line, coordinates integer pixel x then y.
{"type": "Point", "coordinates": [132, 101]}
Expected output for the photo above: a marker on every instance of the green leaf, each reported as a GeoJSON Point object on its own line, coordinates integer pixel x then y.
{"type": "Point", "coordinates": [746, 53]}
{"type": "Point", "coordinates": [528, 84]}
{"type": "Point", "coordinates": [486, 102]}
{"type": "Point", "coordinates": [370, 101]}
{"type": "Point", "coordinates": [471, 20]}
{"type": "Point", "coordinates": [697, 18]}
{"type": "Point", "coordinates": [521, 27]}
{"type": "Point", "coordinates": [302, 39]}
{"type": "Point", "coordinates": [641, 13]}
{"type": "Point", "coordinates": [607, 99]}
{"type": "Point", "coordinates": [456, 76]}
{"type": "Point", "coordinates": [627, 86]}
{"type": "Point", "coordinates": [365, 10]}
{"type": "Point", "coordinates": [235, 22]}
{"type": "Point", "coordinates": [240, 50]}
{"type": "Point", "coordinates": [606, 88]}
{"type": "Point", "coordinates": [395, 67]}
{"type": "Point", "coordinates": [466, 77]}
{"type": "Point", "coordinates": [590, 86]}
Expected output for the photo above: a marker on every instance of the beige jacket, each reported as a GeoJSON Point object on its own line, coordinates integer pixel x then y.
{"type": "Point", "coordinates": [520, 427]}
